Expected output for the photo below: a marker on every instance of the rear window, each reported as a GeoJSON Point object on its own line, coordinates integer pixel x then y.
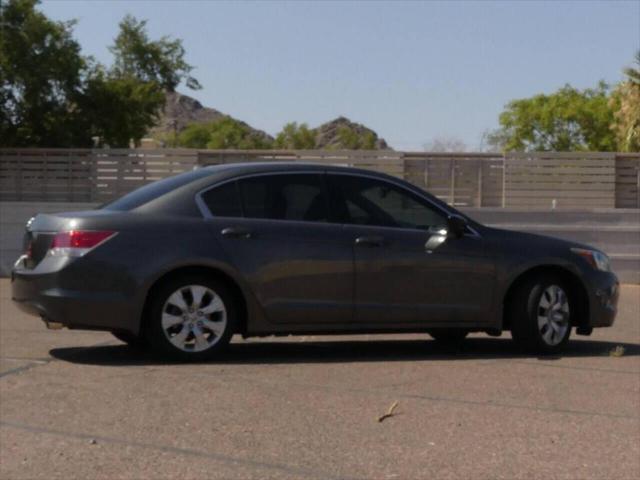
{"type": "Point", "coordinates": [154, 190]}
{"type": "Point", "coordinates": [223, 201]}
{"type": "Point", "coordinates": [298, 197]}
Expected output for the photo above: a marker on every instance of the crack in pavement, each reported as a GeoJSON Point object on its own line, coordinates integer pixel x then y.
{"type": "Point", "coordinates": [383, 390]}
{"type": "Point", "coordinates": [39, 362]}
{"type": "Point", "coordinates": [284, 468]}
{"type": "Point", "coordinates": [31, 363]}
{"type": "Point", "coordinates": [573, 367]}
{"type": "Point", "coordinates": [23, 368]}
{"type": "Point", "coordinates": [491, 403]}
{"type": "Point", "coordinates": [26, 359]}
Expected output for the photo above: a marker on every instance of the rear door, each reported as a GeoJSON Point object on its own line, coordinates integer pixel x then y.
{"type": "Point", "coordinates": [275, 229]}
{"type": "Point", "coordinates": [406, 270]}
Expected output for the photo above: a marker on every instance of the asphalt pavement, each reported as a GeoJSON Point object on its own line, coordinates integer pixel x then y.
{"type": "Point", "coordinates": [77, 404]}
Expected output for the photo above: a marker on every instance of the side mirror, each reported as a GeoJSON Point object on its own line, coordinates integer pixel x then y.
{"type": "Point", "coordinates": [456, 226]}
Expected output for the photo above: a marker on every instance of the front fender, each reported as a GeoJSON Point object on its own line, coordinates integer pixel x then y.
{"type": "Point", "coordinates": [521, 267]}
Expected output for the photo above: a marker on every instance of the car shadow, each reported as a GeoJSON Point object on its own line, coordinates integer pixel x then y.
{"type": "Point", "coordinates": [345, 351]}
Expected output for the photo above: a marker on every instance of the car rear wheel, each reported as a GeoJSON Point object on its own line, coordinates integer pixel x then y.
{"type": "Point", "coordinates": [540, 313]}
{"type": "Point", "coordinates": [191, 318]}
{"type": "Point", "coordinates": [449, 336]}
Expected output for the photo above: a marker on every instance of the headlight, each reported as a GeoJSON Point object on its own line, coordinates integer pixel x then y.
{"type": "Point", "coordinates": [596, 259]}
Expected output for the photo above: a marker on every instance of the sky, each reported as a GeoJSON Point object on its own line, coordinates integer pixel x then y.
{"type": "Point", "coordinates": [412, 71]}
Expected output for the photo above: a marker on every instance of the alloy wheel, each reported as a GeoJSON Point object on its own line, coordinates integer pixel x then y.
{"type": "Point", "coordinates": [194, 318]}
{"type": "Point", "coordinates": [553, 315]}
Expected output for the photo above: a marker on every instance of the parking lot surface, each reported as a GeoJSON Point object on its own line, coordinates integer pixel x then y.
{"type": "Point", "coordinates": [83, 405]}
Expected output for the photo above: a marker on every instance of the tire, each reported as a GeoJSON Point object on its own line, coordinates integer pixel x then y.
{"type": "Point", "coordinates": [540, 314]}
{"type": "Point", "coordinates": [448, 336]}
{"type": "Point", "coordinates": [134, 341]}
{"type": "Point", "coordinates": [185, 327]}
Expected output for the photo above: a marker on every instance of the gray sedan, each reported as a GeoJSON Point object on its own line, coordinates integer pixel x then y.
{"type": "Point", "coordinates": [285, 248]}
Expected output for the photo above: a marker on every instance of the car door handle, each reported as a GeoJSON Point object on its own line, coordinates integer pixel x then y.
{"type": "Point", "coordinates": [373, 241]}
{"type": "Point", "coordinates": [236, 232]}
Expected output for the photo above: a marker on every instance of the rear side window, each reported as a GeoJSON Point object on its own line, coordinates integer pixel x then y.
{"type": "Point", "coordinates": [284, 197]}
{"type": "Point", "coordinates": [223, 201]}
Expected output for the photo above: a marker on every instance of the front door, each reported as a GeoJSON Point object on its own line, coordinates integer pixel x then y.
{"type": "Point", "coordinates": [406, 269]}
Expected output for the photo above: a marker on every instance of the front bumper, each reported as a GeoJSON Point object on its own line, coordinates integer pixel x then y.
{"type": "Point", "coordinates": [604, 293]}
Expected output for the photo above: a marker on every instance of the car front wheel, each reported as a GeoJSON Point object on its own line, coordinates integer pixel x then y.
{"type": "Point", "coordinates": [191, 318]}
{"type": "Point", "coordinates": [540, 314]}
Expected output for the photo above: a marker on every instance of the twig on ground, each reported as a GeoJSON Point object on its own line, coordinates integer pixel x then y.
{"type": "Point", "coordinates": [389, 413]}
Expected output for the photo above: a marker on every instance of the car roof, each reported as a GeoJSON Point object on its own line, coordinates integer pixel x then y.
{"type": "Point", "coordinates": [180, 199]}
{"type": "Point", "coordinates": [230, 170]}
{"type": "Point", "coordinates": [179, 190]}
{"type": "Point", "coordinates": [274, 166]}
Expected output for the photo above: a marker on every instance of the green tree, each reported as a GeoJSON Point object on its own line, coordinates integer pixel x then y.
{"type": "Point", "coordinates": [351, 139]}
{"type": "Point", "coordinates": [223, 134]}
{"type": "Point", "coordinates": [195, 135]}
{"type": "Point", "coordinates": [229, 133]}
{"type": "Point", "coordinates": [120, 109]}
{"type": "Point", "coordinates": [625, 101]}
{"type": "Point", "coordinates": [294, 136]}
{"type": "Point", "coordinates": [53, 96]}
{"type": "Point", "coordinates": [131, 94]}
{"type": "Point", "coordinates": [160, 61]}
{"type": "Point", "coordinates": [567, 120]}
{"type": "Point", "coordinates": [41, 79]}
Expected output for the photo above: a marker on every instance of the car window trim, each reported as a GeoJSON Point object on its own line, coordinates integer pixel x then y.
{"type": "Point", "coordinates": [206, 213]}
{"type": "Point", "coordinates": [324, 174]}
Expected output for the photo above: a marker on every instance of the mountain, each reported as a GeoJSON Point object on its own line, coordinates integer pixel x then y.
{"type": "Point", "coordinates": [341, 133]}
{"type": "Point", "coordinates": [183, 110]}
{"type": "Point", "coordinates": [331, 135]}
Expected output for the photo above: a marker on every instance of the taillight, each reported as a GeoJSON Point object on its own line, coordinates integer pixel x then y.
{"type": "Point", "coordinates": [75, 243]}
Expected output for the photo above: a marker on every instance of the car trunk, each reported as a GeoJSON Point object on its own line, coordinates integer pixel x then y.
{"type": "Point", "coordinates": [41, 230]}
{"type": "Point", "coordinates": [38, 235]}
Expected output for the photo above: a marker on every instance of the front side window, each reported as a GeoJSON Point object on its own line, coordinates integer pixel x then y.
{"type": "Point", "coordinates": [366, 201]}
{"type": "Point", "coordinates": [298, 197]}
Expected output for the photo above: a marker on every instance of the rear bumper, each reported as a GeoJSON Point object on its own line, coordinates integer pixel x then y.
{"type": "Point", "coordinates": [603, 299]}
{"type": "Point", "coordinates": [41, 295]}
